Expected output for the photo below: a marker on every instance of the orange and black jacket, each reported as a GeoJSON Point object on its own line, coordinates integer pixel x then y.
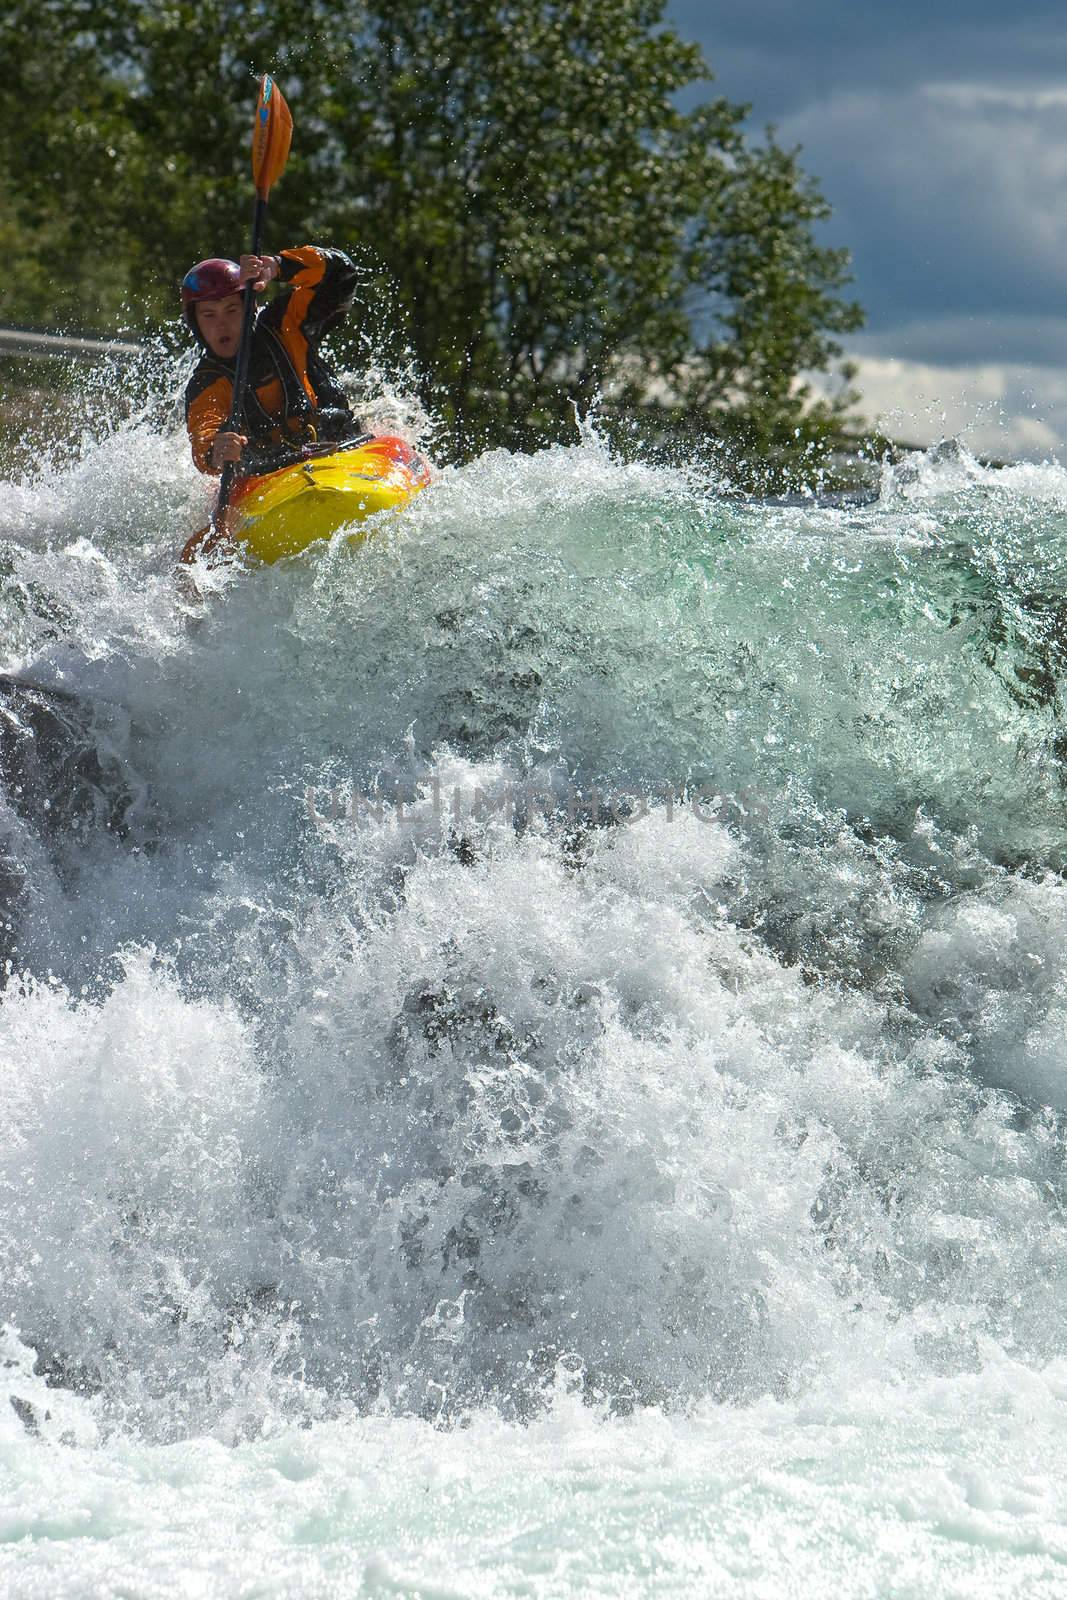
{"type": "Point", "coordinates": [289, 384]}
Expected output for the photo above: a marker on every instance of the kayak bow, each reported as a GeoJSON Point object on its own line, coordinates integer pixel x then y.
{"type": "Point", "coordinates": [280, 513]}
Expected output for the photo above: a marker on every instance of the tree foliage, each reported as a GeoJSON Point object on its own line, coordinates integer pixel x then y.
{"type": "Point", "coordinates": [546, 226]}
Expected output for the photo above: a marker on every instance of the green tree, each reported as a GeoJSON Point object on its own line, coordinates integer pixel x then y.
{"type": "Point", "coordinates": [546, 225]}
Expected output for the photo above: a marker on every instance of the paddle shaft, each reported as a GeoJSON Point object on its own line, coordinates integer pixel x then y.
{"type": "Point", "coordinates": [244, 356]}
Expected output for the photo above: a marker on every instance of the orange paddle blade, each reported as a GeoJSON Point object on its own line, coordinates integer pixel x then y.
{"type": "Point", "coordinates": [271, 137]}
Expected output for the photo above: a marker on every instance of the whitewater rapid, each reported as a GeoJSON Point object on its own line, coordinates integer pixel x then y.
{"type": "Point", "coordinates": [533, 1062]}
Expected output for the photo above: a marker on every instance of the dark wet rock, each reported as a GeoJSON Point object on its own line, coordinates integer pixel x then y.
{"type": "Point", "coordinates": [54, 764]}
{"type": "Point", "coordinates": [61, 783]}
{"type": "Point", "coordinates": [27, 1415]}
{"type": "Point", "coordinates": [14, 897]}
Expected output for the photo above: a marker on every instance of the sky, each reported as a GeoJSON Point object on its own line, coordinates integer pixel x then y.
{"type": "Point", "coordinates": [938, 133]}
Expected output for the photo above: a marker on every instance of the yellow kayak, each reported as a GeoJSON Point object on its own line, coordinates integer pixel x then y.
{"type": "Point", "coordinates": [281, 513]}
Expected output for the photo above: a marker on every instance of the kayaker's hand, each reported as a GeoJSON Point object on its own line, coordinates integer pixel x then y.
{"type": "Point", "coordinates": [260, 270]}
{"type": "Point", "coordinates": [209, 544]}
{"type": "Point", "coordinates": [226, 447]}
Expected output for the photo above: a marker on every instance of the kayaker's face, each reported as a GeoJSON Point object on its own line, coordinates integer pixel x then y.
{"type": "Point", "coordinates": [220, 323]}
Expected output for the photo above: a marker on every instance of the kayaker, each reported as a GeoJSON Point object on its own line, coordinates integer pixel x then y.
{"type": "Point", "coordinates": [293, 399]}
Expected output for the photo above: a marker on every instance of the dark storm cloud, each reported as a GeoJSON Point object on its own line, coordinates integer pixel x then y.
{"type": "Point", "coordinates": [939, 135]}
{"type": "Point", "coordinates": [782, 54]}
{"type": "Point", "coordinates": [951, 199]}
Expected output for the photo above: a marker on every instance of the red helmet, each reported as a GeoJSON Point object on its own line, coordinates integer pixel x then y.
{"type": "Point", "coordinates": [213, 279]}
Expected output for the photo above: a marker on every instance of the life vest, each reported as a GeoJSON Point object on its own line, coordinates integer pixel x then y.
{"type": "Point", "coordinates": [292, 398]}
{"type": "Point", "coordinates": [264, 426]}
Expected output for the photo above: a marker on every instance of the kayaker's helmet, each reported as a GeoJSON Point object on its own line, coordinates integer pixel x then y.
{"type": "Point", "coordinates": [213, 279]}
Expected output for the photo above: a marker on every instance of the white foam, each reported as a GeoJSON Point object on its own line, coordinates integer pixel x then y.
{"type": "Point", "coordinates": [731, 1118]}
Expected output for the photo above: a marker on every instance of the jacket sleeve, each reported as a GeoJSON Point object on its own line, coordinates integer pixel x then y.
{"type": "Point", "coordinates": [207, 405]}
{"type": "Point", "coordinates": [318, 289]}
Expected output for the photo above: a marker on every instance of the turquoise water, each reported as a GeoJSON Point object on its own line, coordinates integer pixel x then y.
{"type": "Point", "coordinates": [554, 1084]}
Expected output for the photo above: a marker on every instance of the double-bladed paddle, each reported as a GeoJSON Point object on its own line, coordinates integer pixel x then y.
{"type": "Point", "coordinates": [272, 134]}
